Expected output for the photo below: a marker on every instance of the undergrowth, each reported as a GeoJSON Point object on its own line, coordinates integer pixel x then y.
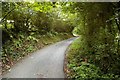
{"type": "Point", "coordinates": [79, 68]}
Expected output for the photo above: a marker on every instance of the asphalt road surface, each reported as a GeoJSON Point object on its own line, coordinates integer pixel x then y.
{"type": "Point", "coordinates": [45, 63]}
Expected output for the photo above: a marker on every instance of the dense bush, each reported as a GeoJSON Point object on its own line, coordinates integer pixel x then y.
{"type": "Point", "coordinates": [80, 67]}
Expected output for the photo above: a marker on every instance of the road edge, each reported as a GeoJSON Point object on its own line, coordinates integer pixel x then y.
{"type": "Point", "coordinates": [65, 70]}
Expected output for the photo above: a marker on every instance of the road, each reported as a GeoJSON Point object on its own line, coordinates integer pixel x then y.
{"type": "Point", "coordinates": [45, 63]}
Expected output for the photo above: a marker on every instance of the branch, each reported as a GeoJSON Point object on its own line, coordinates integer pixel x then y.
{"type": "Point", "coordinates": [117, 25]}
{"type": "Point", "coordinates": [6, 15]}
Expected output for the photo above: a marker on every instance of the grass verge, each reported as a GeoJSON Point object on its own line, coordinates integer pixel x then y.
{"type": "Point", "coordinates": [71, 52]}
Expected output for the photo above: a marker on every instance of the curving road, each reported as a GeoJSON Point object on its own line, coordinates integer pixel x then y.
{"type": "Point", "coordinates": [45, 63]}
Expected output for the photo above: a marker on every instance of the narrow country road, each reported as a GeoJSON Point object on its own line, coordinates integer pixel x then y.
{"type": "Point", "coordinates": [45, 63]}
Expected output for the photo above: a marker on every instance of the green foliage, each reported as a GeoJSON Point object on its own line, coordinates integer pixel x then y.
{"type": "Point", "coordinates": [80, 68]}
{"type": "Point", "coordinates": [99, 45]}
{"type": "Point", "coordinates": [39, 17]}
{"type": "Point", "coordinates": [88, 71]}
